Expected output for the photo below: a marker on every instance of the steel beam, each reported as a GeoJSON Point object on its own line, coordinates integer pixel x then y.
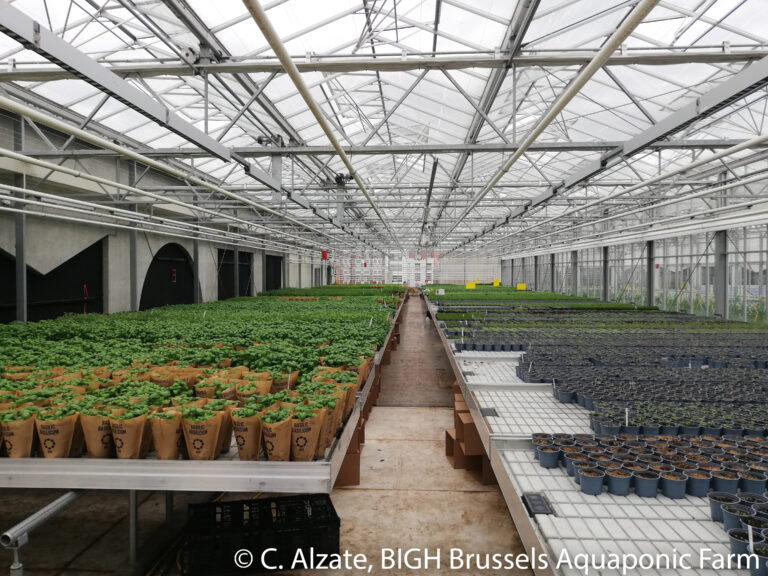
{"type": "Point", "coordinates": [606, 274]}
{"type": "Point", "coordinates": [650, 274]}
{"type": "Point", "coordinates": [574, 272]}
{"type": "Point", "coordinates": [386, 149]}
{"type": "Point", "coordinates": [196, 270]}
{"type": "Point", "coordinates": [39, 39]}
{"type": "Point", "coordinates": [335, 65]}
{"type": "Point", "coordinates": [236, 256]}
{"type": "Point", "coordinates": [552, 272]}
{"type": "Point", "coordinates": [721, 273]}
{"type": "Point", "coordinates": [20, 228]}
{"type": "Point", "coordinates": [738, 86]}
{"type": "Point", "coordinates": [535, 273]}
{"type": "Point", "coordinates": [21, 267]}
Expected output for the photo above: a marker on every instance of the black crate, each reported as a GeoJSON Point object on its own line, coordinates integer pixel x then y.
{"type": "Point", "coordinates": [216, 531]}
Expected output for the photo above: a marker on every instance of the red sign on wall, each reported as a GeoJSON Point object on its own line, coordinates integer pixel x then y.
{"type": "Point", "coordinates": [365, 264]}
{"type": "Point", "coordinates": [173, 275]}
{"type": "Point", "coordinates": [325, 254]}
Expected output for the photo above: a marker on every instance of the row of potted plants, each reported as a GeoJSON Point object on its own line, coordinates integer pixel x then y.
{"type": "Point", "coordinates": [744, 517]}
{"type": "Point", "coordinates": [194, 418]}
{"type": "Point", "coordinates": [676, 465]}
{"type": "Point", "coordinates": [205, 334]}
{"type": "Point", "coordinates": [672, 418]}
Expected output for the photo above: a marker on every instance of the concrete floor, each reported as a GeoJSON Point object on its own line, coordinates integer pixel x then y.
{"type": "Point", "coordinates": [409, 495]}
{"type": "Point", "coordinates": [420, 374]}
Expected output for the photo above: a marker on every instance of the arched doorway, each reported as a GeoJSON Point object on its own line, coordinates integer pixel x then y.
{"type": "Point", "coordinates": [169, 280]}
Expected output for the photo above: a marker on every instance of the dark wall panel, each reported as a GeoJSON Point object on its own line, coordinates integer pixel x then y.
{"type": "Point", "coordinates": [74, 287]}
{"type": "Point", "coordinates": [169, 279]}
{"type": "Point", "coordinates": [273, 273]}
{"type": "Point", "coordinates": [227, 273]}
{"type": "Point", "coordinates": [7, 288]}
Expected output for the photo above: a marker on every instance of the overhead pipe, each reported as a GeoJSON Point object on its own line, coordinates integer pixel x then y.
{"type": "Point", "coordinates": [687, 216]}
{"type": "Point", "coordinates": [138, 191]}
{"type": "Point", "coordinates": [131, 228]}
{"type": "Point", "coordinates": [634, 18]}
{"type": "Point", "coordinates": [751, 143]}
{"type": "Point", "coordinates": [270, 34]}
{"type": "Point", "coordinates": [207, 233]}
{"type": "Point", "coordinates": [52, 122]}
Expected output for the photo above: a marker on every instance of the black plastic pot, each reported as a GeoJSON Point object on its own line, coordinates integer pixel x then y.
{"type": "Point", "coordinates": [761, 551]}
{"type": "Point", "coordinates": [618, 482]}
{"type": "Point", "coordinates": [733, 513]}
{"type": "Point", "coordinates": [565, 396]}
{"type": "Point", "coordinates": [609, 428]}
{"type": "Point", "coordinates": [724, 481]}
{"type": "Point", "coordinates": [752, 482]}
{"type": "Point", "coordinates": [739, 541]}
{"type": "Point", "coordinates": [591, 481]}
{"type": "Point", "coordinates": [716, 500]}
{"type": "Point", "coordinates": [698, 487]}
{"type": "Point", "coordinates": [691, 430]}
{"type": "Point", "coordinates": [673, 485]}
{"type": "Point", "coordinates": [549, 456]}
{"type": "Point", "coordinates": [646, 483]}
{"type": "Point", "coordinates": [758, 523]}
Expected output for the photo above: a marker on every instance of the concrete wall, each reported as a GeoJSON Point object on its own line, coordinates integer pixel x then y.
{"type": "Point", "coordinates": [50, 243]}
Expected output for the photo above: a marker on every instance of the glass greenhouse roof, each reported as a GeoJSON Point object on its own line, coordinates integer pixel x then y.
{"type": "Point", "coordinates": [429, 99]}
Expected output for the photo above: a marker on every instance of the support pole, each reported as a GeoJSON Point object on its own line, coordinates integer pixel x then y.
{"type": "Point", "coordinates": [263, 270]}
{"type": "Point", "coordinates": [606, 274]}
{"type": "Point", "coordinates": [132, 271]}
{"type": "Point", "coordinates": [168, 506]}
{"type": "Point", "coordinates": [21, 267]}
{"type": "Point", "coordinates": [20, 227]}
{"type": "Point", "coordinates": [536, 273]}
{"type": "Point", "coordinates": [133, 526]}
{"type": "Point", "coordinates": [236, 257]}
{"type": "Point", "coordinates": [574, 272]}
{"type": "Point", "coordinates": [721, 273]}
{"type": "Point", "coordinates": [551, 272]}
{"type": "Point", "coordinates": [650, 274]}
{"type": "Point", "coordinates": [196, 270]}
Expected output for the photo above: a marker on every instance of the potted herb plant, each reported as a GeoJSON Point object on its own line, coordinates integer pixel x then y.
{"type": "Point", "coordinates": [305, 433]}
{"type": "Point", "coordinates": [201, 432]}
{"type": "Point", "coordinates": [19, 431]}
{"type": "Point", "coordinates": [246, 425]}
{"type": "Point", "coordinates": [166, 433]}
{"type": "Point", "coordinates": [128, 427]}
{"type": "Point", "coordinates": [55, 429]}
{"type": "Point", "coordinates": [276, 431]}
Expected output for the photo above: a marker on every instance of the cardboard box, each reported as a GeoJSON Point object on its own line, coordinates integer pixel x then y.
{"type": "Point", "coordinates": [458, 397]}
{"type": "Point", "coordinates": [450, 442]}
{"type": "Point", "coordinates": [349, 475]}
{"type": "Point", "coordinates": [487, 476]}
{"type": "Point", "coordinates": [461, 407]}
{"type": "Point", "coordinates": [472, 444]}
{"type": "Point", "coordinates": [469, 462]}
{"type": "Point", "coordinates": [458, 425]}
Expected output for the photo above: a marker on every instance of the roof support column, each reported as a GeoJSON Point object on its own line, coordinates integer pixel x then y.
{"type": "Point", "coordinates": [574, 272]}
{"type": "Point", "coordinates": [196, 271]}
{"type": "Point", "coordinates": [721, 273]}
{"type": "Point", "coordinates": [606, 274]}
{"type": "Point", "coordinates": [236, 256]}
{"type": "Point", "coordinates": [536, 273]}
{"type": "Point", "coordinates": [650, 274]}
{"type": "Point", "coordinates": [552, 272]}
{"type": "Point", "coordinates": [20, 226]}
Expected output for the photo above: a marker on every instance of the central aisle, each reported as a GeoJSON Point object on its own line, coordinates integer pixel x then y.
{"type": "Point", "coordinates": [409, 495]}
